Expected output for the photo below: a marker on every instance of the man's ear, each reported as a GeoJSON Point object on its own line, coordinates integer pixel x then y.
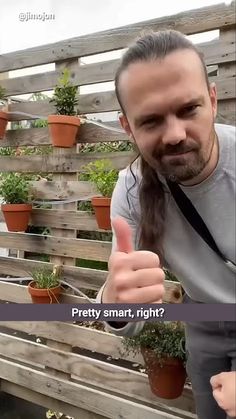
{"type": "Point", "coordinates": [213, 97]}
{"type": "Point", "coordinates": [125, 125]}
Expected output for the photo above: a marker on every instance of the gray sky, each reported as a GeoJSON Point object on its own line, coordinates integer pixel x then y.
{"type": "Point", "coordinates": [77, 17]}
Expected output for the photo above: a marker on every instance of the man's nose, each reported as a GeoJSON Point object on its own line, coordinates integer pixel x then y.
{"type": "Point", "coordinates": [174, 131]}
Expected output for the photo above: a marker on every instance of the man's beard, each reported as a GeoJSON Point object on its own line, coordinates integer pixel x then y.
{"type": "Point", "coordinates": [180, 168]}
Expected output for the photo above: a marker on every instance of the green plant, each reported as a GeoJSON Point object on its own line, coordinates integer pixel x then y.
{"type": "Point", "coordinates": [65, 95]}
{"type": "Point", "coordinates": [103, 175]}
{"type": "Point", "coordinates": [2, 95]}
{"type": "Point", "coordinates": [164, 338]}
{"type": "Point", "coordinates": [45, 278]}
{"type": "Point", "coordinates": [15, 189]}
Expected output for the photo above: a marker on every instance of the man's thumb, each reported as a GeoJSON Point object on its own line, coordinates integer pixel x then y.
{"type": "Point", "coordinates": [123, 233]}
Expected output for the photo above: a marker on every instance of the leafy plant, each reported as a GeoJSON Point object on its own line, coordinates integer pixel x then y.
{"type": "Point", "coordinates": [2, 95]}
{"type": "Point", "coordinates": [45, 278]}
{"type": "Point", "coordinates": [164, 338]}
{"type": "Point", "coordinates": [15, 189]}
{"type": "Point", "coordinates": [65, 95]}
{"type": "Point", "coordinates": [103, 175]}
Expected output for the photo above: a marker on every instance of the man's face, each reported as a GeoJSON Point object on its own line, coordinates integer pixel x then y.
{"type": "Point", "coordinates": [170, 113]}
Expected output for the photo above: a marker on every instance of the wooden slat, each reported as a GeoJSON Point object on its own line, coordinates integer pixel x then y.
{"type": "Point", "coordinates": [84, 75]}
{"type": "Point", "coordinates": [190, 22]}
{"type": "Point", "coordinates": [88, 133]}
{"type": "Point", "coordinates": [81, 277]}
{"type": "Point", "coordinates": [46, 401]}
{"type": "Point", "coordinates": [18, 293]}
{"type": "Point", "coordinates": [79, 220]}
{"type": "Point", "coordinates": [215, 52]}
{"type": "Point", "coordinates": [62, 189]}
{"type": "Point", "coordinates": [64, 163]}
{"type": "Point", "coordinates": [89, 103]}
{"type": "Point", "coordinates": [226, 113]}
{"type": "Point", "coordinates": [104, 101]}
{"type": "Point", "coordinates": [15, 293]}
{"type": "Point", "coordinates": [90, 371]}
{"type": "Point", "coordinates": [49, 245]}
{"type": "Point", "coordinates": [78, 395]}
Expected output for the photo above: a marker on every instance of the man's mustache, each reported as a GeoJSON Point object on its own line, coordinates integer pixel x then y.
{"type": "Point", "coordinates": [172, 150]}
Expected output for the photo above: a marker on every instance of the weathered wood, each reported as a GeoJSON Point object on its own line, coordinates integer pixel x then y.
{"type": "Point", "coordinates": [59, 246]}
{"type": "Point", "coordinates": [215, 52]}
{"type": "Point", "coordinates": [90, 371]}
{"type": "Point", "coordinates": [79, 395]}
{"type": "Point", "coordinates": [81, 277]}
{"type": "Point", "coordinates": [88, 133]}
{"type": "Point", "coordinates": [79, 220]}
{"type": "Point", "coordinates": [190, 22]}
{"type": "Point", "coordinates": [46, 401]}
{"type": "Point", "coordinates": [84, 75]}
{"type": "Point", "coordinates": [62, 189]}
{"type": "Point", "coordinates": [15, 293]}
{"type": "Point", "coordinates": [226, 113]}
{"type": "Point", "coordinates": [89, 103]}
{"type": "Point", "coordinates": [61, 164]}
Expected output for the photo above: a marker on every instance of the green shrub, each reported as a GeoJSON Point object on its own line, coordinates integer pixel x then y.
{"type": "Point", "coordinates": [103, 175]}
{"type": "Point", "coordinates": [45, 278]}
{"type": "Point", "coordinates": [15, 189]}
{"type": "Point", "coordinates": [65, 95]}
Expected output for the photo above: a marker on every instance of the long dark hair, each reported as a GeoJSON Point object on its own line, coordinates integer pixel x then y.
{"type": "Point", "coordinates": [152, 46]}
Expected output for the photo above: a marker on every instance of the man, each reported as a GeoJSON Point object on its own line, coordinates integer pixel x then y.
{"type": "Point", "coordinates": [168, 110]}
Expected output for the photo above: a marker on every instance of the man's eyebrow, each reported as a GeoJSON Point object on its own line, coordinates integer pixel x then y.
{"type": "Point", "coordinates": [139, 119]}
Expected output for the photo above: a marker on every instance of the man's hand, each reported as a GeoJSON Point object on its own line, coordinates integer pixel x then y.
{"type": "Point", "coordinates": [224, 391]}
{"type": "Point", "coordinates": [134, 276]}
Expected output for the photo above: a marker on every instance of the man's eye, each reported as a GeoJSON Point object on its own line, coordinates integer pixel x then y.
{"type": "Point", "coordinates": [149, 122]}
{"type": "Point", "coordinates": [189, 109]}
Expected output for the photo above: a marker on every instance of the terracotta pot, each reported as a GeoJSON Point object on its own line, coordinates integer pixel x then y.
{"type": "Point", "coordinates": [63, 130]}
{"type": "Point", "coordinates": [44, 296]}
{"type": "Point", "coordinates": [166, 376]}
{"type": "Point", "coordinates": [3, 123]}
{"type": "Point", "coordinates": [101, 207]}
{"type": "Point", "coordinates": [16, 216]}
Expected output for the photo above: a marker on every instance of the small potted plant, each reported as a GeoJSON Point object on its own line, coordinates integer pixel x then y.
{"type": "Point", "coordinates": [103, 175]}
{"type": "Point", "coordinates": [3, 114]}
{"type": "Point", "coordinates": [162, 347]}
{"type": "Point", "coordinates": [63, 126]}
{"type": "Point", "coordinates": [45, 287]}
{"type": "Point", "coordinates": [15, 191]}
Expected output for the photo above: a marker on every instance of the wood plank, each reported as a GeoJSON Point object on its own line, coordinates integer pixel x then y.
{"type": "Point", "coordinates": [88, 133]}
{"type": "Point", "coordinates": [62, 189]}
{"type": "Point", "coordinates": [64, 163]}
{"type": "Point", "coordinates": [215, 52]}
{"type": "Point", "coordinates": [190, 22]}
{"type": "Point", "coordinates": [15, 293]}
{"type": "Point", "coordinates": [90, 371]}
{"type": "Point", "coordinates": [226, 113]}
{"type": "Point", "coordinates": [83, 75]}
{"type": "Point", "coordinates": [60, 246]}
{"type": "Point", "coordinates": [77, 394]}
{"type": "Point", "coordinates": [82, 277]}
{"type": "Point", "coordinates": [89, 103]}
{"type": "Point", "coordinates": [80, 220]}
{"type": "Point", "coordinates": [104, 101]}
{"type": "Point", "coordinates": [46, 401]}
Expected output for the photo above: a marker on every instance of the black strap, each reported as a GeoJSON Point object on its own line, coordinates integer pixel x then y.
{"type": "Point", "coordinates": [196, 221]}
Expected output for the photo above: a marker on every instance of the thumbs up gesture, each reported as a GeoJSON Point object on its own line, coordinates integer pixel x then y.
{"type": "Point", "coordinates": [134, 276]}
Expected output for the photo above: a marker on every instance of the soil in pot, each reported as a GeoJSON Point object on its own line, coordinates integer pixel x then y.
{"type": "Point", "coordinates": [101, 207]}
{"type": "Point", "coordinates": [44, 296]}
{"type": "Point", "coordinates": [63, 130]}
{"type": "Point", "coordinates": [166, 378]}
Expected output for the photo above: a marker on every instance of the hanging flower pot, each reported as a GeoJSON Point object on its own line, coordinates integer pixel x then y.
{"type": "Point", "coordinates": [63, 126]}
{"type": "Point", "coordinates": [63, 130]}
{"type": "Point", "coordinates": [166, 375]}
{"type": "Point", "coordinates": [45, 287]}
{"type": "Point", "coordinates": [101, 206]}
{"type": "Point", "coordinates": [3, 124]}
{"type": "Point", "coordinates": [44, 295]}
{"type": "Point", "coordinates": [16, 216]}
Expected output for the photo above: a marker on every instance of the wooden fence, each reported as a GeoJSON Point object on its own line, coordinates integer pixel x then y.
{"type": "Point", "coordinates": [75, 369]}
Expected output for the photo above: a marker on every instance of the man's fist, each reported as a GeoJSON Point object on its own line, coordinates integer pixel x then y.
{"type": "Point", "coordinates": [224, 391]}
{"type": "Point", "coordinates": [134, 276]}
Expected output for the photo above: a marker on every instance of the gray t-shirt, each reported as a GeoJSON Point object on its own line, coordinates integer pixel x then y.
{"type": "Point", "coordinates": [203, 275]}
